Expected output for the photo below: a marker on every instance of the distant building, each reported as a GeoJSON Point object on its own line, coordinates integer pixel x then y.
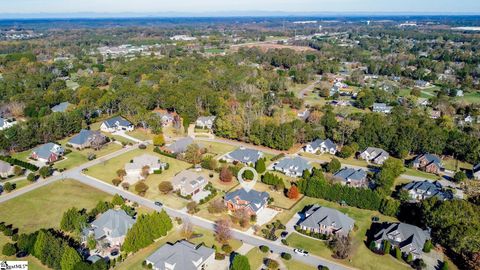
{"type": "Point", "coordinates": [182, 38]}
{"type": "Point", "coordinates": [422, 83]}
{"type": "Point", "coordinates": [429, 163]}
{"type": "Point", "coordinates": [166, 118]}
{"type": "Point", "coordinates": [409, 238]}
{"type": "Point", "coordinates": [110, 227]}
{"type": "Point", "coordinates": [182, 255]}
{"type": "Point", "coordinates": [115, 124]}
{"type": "Point", "coordinates": [420, 190]}
{"type": "Point", "coordinates": [5, 169]}
{"type": "Point", "coordinates": [435, 114]}
{"type": "Point", "coordinates": [303, 115]}
{"type": "Point", "coordinates": [352, 177]}
{"type": "Point", "coordinates": [205, 122]}
{"type": "Point", "coordinates": [62, 107]}
{"type": "Point", "coordinates": [252, 201]}
{"type": "Point", "coordinates": [243, 155]}
{"type": "Point", "coordinates": [374, 155]}
{"type": "Point", "coordinates": [180, 146]}
{"type": "Point", "coordinates": [292, 166]}
{"type": "Point", "coordinates": [87, 138]}
{"type": "Point", "coordinates": [381, 108]}
{"type": "Point", "coordinates": [189, 182]}
{"type": "Point", "coordinates": [326, 220]}
{"type": "Point", "coordinates": [6, 123]}
{"type": "Point", "coordinates": [322, 146]}
{"type": "Point", "coordinates": [48, 153]}
{"type": "Point", "coordinates": [476, 172]}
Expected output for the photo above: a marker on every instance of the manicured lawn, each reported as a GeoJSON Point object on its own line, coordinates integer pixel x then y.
{"type": "Point", "coordinates": [44, 207]}
{"type": "Point", "coordinates": [414, 172]}
{"type": "Point", "coordinates": [361, 257]}
{"type": "Point", "coordinates": [23, 155]}
{"type": "Point", "coordinates": [297, 265]}
{"type": "Point", "coordinates": [141, 134]}
{"type": "Point", "coordinates": [279, 199]}
{"type": "Point", "coordinates": [78, 157]}
{"type": "Point", "coordinates": [107, 171]}
{"type": "Point", "coordinates": [451, 164]}
{"type": "Point", "coordinates": [255, 258]}
{"type": "Point", "coordinates": [134, 261]}
{"type": "Point", "coordinates": [216, 148]}
{"type": "Point", "coordinates": [472, 97]}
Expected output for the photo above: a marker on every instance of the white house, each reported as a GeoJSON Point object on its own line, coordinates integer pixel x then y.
{"type": "Point", "coordinates": [5, 123]}
{"type": "Point", "coordinates": [205, 122]}
{"type": "Point", "coordinates": [374, 155]}
{"type": "Point", "coordinates": [182, 255]}
{"type": "Point", "coordinates": [322, 146]}
{"type": "Point", "coordinates": [111, 227]}
{"type": "Point", "coordinates": [135, 167]}
{"type": "Point", "coordinates": [116, 123]}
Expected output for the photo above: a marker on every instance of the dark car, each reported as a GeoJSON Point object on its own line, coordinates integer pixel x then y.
{"type": "Point", "coordinates": [114, 253]}
{"type": "Point", "coordinates": [284, 234]}
{"type": "Point", "coordinates": [159, 204]}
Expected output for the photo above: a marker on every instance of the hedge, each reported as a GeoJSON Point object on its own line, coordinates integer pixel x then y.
{"type": "Point", "coordinates": [159, 151]}
{"type": "Point", "coordinates": [20, 163]}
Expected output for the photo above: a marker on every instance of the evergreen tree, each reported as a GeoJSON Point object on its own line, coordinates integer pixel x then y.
{"type": "Point", "coordinates": [240, 262]}
{"type": "Point", "coordinates": [70, 258]}
{"type": "Point", "coordinates": [260, 166]}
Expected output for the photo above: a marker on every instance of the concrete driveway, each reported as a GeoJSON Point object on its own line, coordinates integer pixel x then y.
{"type": "Point", "coordinates": [265, 215]}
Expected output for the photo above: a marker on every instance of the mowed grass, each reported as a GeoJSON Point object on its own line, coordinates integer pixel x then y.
{"type": "Point", "coordinates": [107, 171]}
{"type": "Point", "coordinates": [279, 198]}
{"type": "Point", "coordinates": [141, 134]}
{"type": "Point", "coordinates": [297, 265]}
{"type": "Point", "coordinates": [134, 262]}
{"type": "Point", "coordinates": [217, 149]}
{"type": "Point", "coordinates": [255, 258]}
{"type": "Point", "coordinates": [44, 207]}
{"type": "Point", "coordinates": [361, 257]}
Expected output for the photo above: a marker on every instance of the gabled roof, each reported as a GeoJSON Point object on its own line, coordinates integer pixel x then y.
{"type": "Point", "coordinates": [245, 155]}
{"type": "Point", "coordinates": [189, 180]}
{"type": "Point", "coordinates": [180, 145]}
{"type": "Point", "coordinates": [206, 119]}
{"type": "Point", "coordinates": [139, 162]}
{"type": "Point", "coordinates": [375, 152]}
{"type": "Point", "coordinates": [182, 255]}
{"type": "Point", "coordinates": [431, 158]}
{"type": "Point", "coordinates": [318, 215]}
{"type": "Point", "coordinates": [62, 107]}
{"type": "Point", "coordinates": [403, 234]}
{"type": "Point", "coordinates": [45, 150]}
{"type": "Point", "coordinates": [117, 221]}
{"type": "Point", "coordinates": [476, 168]}
{"type": "Point", "coordinates": [351, 174]}
{"type": "Point", "coordinates": [5, 167]}
{"type": "Point", "coordinates": [117, 121]}
{"type": "Point", "coordinates": [429, 189]}
{"type": "Point", "coordinates": [84, 136]}
{"type": "Point", "coordinates": [255, 198]}
{"type": "Point", "coordinates": [325, 143]}
{"type": "Point", "coordinates": [296, 164]}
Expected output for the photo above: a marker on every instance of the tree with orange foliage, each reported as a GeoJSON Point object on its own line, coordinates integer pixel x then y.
{"type": "Point", "coordinates": [293, 193]}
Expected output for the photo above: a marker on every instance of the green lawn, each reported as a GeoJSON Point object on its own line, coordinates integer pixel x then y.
{"type": "Point", "coordinates": [44, 207]}
{"type": "Point", "coordinates": [255, 258]}
{"type": "Point", "coordinates": [451, 164]}
{"type": "Point", "coordinates": [279, 198]}
{"type": "Point", "coordinates": [472, 97]}
{"type": "Point", "coordinates": [141, 134]}
{"type": "Point", "coordinates": [296, 265]}
{"type": "Point", "coordinates": [106, 171]}
{"type": "Point", "coordinates": [414, 172]}
{"type": "Point", "coordinates": [216, 148]}
{"type": "Point", "coordinates": [361, 257]}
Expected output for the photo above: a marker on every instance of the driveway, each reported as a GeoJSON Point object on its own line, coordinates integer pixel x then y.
{"type": "Point", "coordinates": [200, 195]}
{"type": "Point", "coordinates": [123, 134]}
{"type": "Point", "coordinates": [265, 215]}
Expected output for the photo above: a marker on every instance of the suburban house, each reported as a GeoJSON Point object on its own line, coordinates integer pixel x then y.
{"type": "Point", "coordinates": [182, 255]}
{"type": "Point", "coordinates": [110, 227]}
{"type": "Point", "coordinates": [205, 122]}
{"type": "Point", "coordinates": [374, 155]}
{"type": "Point", "coordinates": [326, 220]}
{"type": "Point", "coordinates": [429, 163]}
{"type": "Point", "coordinates": [243, 155]}
{"type": "Point", "coordinates": [48, 153]}
{"type": "Point", "coordinates": [135, 167]}
{"type": "Point", "coordinates": [189, 182]}
{"type": "Point", "coordinates": [303, 115]}
{"type": "Point", "coordinates": [421, 83]}
{"type": "Point", "coordinates": [62, 107]}
{"type": "Point", "coordinates": [166, 118]}
{"type": "Point", "coordinates": [352, 177]}
{"type": "Point", "coordinates": [5, 169]}
{"type": "Point", "coordinates": [420, 190]}
{"type": "Point", "coordinates": [292, 166]}
{"type": "Point", "coordinates": [476, 172]}
{"type": "Point", "coordinates": [435, 114]}
{"type": "Point", "coordinates": [253, 201]}
{"type": "Point", "coordinates": [381, 108]}
{"type": "Point", "coordinates": [87, 138]}
{"type": "Point", "coordinates": [5, 123]}
{"type": "Point", "coordinates": [116, 123]}
{"type": "Point", "coordinates": [409, 238]}
{"type": "Point", "coordinates": [180, 146]}
{"type": "Point", "coordinates": [322, 146]}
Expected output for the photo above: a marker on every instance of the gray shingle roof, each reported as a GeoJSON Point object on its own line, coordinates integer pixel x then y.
{"type": "Point", "coordinates": [183, 255]}
{"type": "Point", "coordinates": [431, 158]}
{"type": "Point", "coordinates": [257, 199]}
{"type": "Point", "coordinates": [206, 119]}
{"type": "Point", "coordinates": [62, 107]}
{"type": "Point", "coordinates": [117, 121]}
{"type": "Point", "coordinates": [245, 155]}
{"type": "Point", "coordinates": [5, 167]}
{"type": "Point", "coordinates": [189, 181]}
{"type": "Point", "coordinates": [180, 145]}
{"type": "Point", "coordinates": [84, 136]}
{"type": "Point", "coordinates": [476, 168]}
{"type": "Point", "coordinates": [115, 220]}
{"type": "Point", "coordinates": [351, 174]}
{"type": "Point", "coordinates": [326, 143]}
{"type": "Point", "coordinates": [45, 150]}
{"type": "Point", "coordinates": [295, 164]}
{"type": "Point", "coordinates": [429, 189]}
{"type": "Point", "coordinates": [403, 234]}
{"type": "Point", "coordinates": [318, 215]}
{"type": "Point", "coordinates": [376, 153]}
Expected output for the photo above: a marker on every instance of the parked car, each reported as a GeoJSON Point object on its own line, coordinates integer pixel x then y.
{"type": "Point", "coordinates": [114, 253]}
{"type": "Point", "coordinates": [284, 234]}
{"type": "Point", "coordinates": [159, 204]}
{"type": "Point", "coordinates": [301, 252]}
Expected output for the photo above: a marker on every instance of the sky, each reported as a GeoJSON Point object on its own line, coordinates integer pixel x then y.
{"type": "Point", "coordinates": [201, 6]}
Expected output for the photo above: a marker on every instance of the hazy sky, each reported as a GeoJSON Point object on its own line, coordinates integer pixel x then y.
{"type": "Point", "coordinates": [150, 6]}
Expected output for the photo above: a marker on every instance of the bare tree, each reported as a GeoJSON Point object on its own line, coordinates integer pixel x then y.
{"type": "Point", "coordinates": [186, 230]}
{"type": "Point", "coordinates": [217, 206]}
{"type": "Point", "coordinates": [223, 232]}
{"type": "Point", "coordinates": [341, 246]}
{"type": "Point", "coordinates": [145, 171]}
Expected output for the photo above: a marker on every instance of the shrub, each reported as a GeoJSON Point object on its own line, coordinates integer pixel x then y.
{"type": "Point", "coordinates": [9, 249]}
{"type": "Point", "coordinates": [398, 253]}
{"type": "Point", "coordinates": [285, 242]}
{"type": "Point", "coordinates": [219, 256]}
{"type": "Point", "coordinates": [427, 247]}
{"type": "Point", "coordinates": [31, 177]}
{"type": "Point", "coordinates": [248, 175]}
{"type": "Point", "coordinates": [264, 249]}
{"type": "Point", "coordinates": [8, 186]}
{"type": "Point", "coordinates": [272, 264]}
{"type": "Point", "coordinates": [227, 248]}
{"type": "Point", "coordinates": [116, 182]}
{"type": "Point", "coordinates": [20, 163]}
{"type": "Point", "coordinates": [159, 140]}
{"type": "Point", "coordinates": [142, 146]}
{"type": "Point", "coordinates": [286, 256]}
{"type": "Point", "coordinates": [159, 151]}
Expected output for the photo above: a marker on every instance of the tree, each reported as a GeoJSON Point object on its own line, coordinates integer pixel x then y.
{"type": "Point", "coordinates": [8, 186]}
{"type": "Point", "coordinates": [145, 171]}
{"type": "Point", "coordinates": [121, 173]}
{"type": "Point", "coordinates": [427, 247]}
{"type": "Point", "coordinates": [444, 265]}
{"type": "Point", "coordinates": [165, 187]}
{"type": "Point", "coordinates": [216, 206]}
{"type": "Point", "coordinates": [334, 166]}
{"type": "Point", "coordinates": [186, 231]}
{"type": "Point", "coordinates": [210, 163]}
{"type": "Point", "coordinates": [31, 177]}
{"type": "Point", "coordinates": [141, 188]}
{"type": "Point", "coordinates": [387, 247]}
{"type": "Point", "coordinates": [70, 258]}
{"type": "Point", "coordinates": [459, 176]}
{"type": "Point", "coordinates": [91, 242]}
{"type": "Point", "coordinates": [118, 200]}
{"type": "Point", "coordinates": [341, 246]}
{"type": "Point", "coordinates": [398, 253]}
{"type": "Point", "coordinates": [248, 175]}
{"type": "Point", "coordinates": [159, 140]}
{"type": "Point", "coordinates": [260, 166]}
{"type": "Point", "coordinates": [17, 170]}
{"type": "Point", "coordinates": [223, 232]}
{"type": "Point", "coordinates": [346, 152]}
{"type": "Point", "coordinates": [192, 207]}
{"type": "Point", "coordinates": [226, 175]}
{"type": "Point", "coordinates": [293, 193]}
{"type": "Point", "coordinates": [240, 262]}
{"type": "Point", "coordinates": [9, 249]}
{"type": "Point", "coordinates": [73, 220]}
{"type": "Point", "coordinates": [409, 258]}
{"type": "Point", "coordinates": [193, 154]}
{"type": "Point", "coordinates": [45, 172]}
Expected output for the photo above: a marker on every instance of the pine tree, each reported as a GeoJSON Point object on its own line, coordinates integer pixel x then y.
{"type": "Point", "coordinates": [70, 258]}
{"type": "Point", "coordinates": [260, 166]}
{"type": "Point", "coordinates": [240, 262]}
